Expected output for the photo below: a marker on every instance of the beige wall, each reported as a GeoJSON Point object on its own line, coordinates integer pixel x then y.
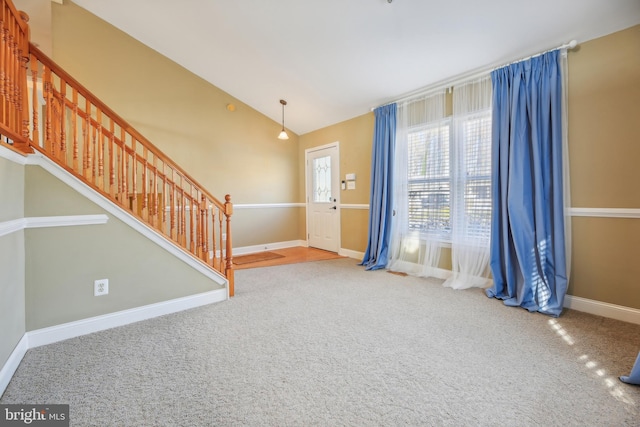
{"type": "Point", "coordinates": [63, 262]}
{"type": "Point", "coordinates": [12, 260]}
{"type": "Point", "coordinates": [604, 145]}
{"type": "Point", "coordinates": [355, 137]}
{"type": "Point", "coordinates": [235, 153]}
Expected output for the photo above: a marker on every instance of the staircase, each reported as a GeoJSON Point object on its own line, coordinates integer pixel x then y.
{"type": "Point", "coordinates": [44, 109]}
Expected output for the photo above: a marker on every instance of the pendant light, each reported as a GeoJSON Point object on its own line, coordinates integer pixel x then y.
{"type": "Point", "coordinates": [283, 133]}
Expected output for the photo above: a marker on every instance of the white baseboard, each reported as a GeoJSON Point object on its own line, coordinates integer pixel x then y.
{"type": "Point", "coordinates": [351, 254]}
{"type": "Point", "coordinates": [268, 247]}
{"type": "Point", "coordinates": [604, 309]}
{"type": "Point", "coordinates": [290, 244]}
{"type": "Point", "coordinates": [78, 328]}
{"type": "Point", "coordinates": [9, 368]}
{"type": "Point", "coordinates": [99, 323]}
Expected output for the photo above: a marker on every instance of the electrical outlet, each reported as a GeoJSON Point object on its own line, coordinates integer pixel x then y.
{"type": "Point", "coordinates": [100, 287]}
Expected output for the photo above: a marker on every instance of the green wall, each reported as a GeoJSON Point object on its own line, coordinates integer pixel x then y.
{"type": "Point", "coordinates": [12, 260]}
{"type": "Point", "coordinates": [63, 262]}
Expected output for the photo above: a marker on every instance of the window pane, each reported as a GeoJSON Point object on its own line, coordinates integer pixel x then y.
{"type": "Point", "coordinates": [429, 182]}
{"type": "Point", "coordinates": [322, 179]}
{"type": "Point", "coordinates": [477, 188]}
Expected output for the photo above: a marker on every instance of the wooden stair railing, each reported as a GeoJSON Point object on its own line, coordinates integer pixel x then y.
{"type": "Point", "coordinates": [81, 134]}
{"type": "Point", "coordinates": [14, 48]}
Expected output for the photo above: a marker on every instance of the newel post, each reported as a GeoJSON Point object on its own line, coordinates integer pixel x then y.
{"type": "Point", "coordinates": [228, 211]}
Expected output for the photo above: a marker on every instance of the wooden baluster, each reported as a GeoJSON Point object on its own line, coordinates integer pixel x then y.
{"type": "Point", "coordinates": [3, 64]}
{"type": "Point", "coordinates": [134, 176]}
{"type": "Point", "coordinates": [100, 148]}
{"type": "Point", "coordinates": [124, 169]}
{"type": "Point", "coordinates": [88, 151]}
{"type": "Point", "coordinates": [112, 161]}
{"type": "Point", "coordinates": [205, 256]}
{"type": "Point", "coordinates": [221, 264]}
{"type": "Point", "coordinates": [24, 93]}
{"type": "Point", "coordinates": [74, 123]}
{"type": "Point", "coordinates": [192, 225]}
{"type": "Point", "coordinates": [153, 196]}
{"type": "Point", "coordinates": [178, 221]}
{"type": "Point", "coordinates": [63, 122]}
{"type": "Point", "coordinates": [200, 229]}
{"type": "Point", "coordinates": [183, 222]}
{"type": "Point", "coordinates": [180, 213]}
{"type": "Point", "coordinates": [165, 199]}
{"type": "Point", "coordinates": [35, 101]}
{"type": "Point", "coordinates": [118, 153]}
{"type": "Point", "coordinates": [6, 69]}
{"type": "Point", "coordinates": [9, 75]}
{"type": "Point", "coordinates": [85, 145]}
{"type": "Point", "coordinates": [228, 211]}
{"type": "Point", "coordinates": [172, 210]}
{"type": "Point", "coordinates": [48, 101]}
{"type": "Point", "coordinates": [9, 70]}
{"type": "Point", "coordinates": [145, 197]}
{"type": "Point", "coordinates": [154, 193]}
{"type": "Point", "coordinates": [203, 227]}
{"type": "Point", "coordinates": [214, 213]}
{"type": "Point", "coordinates": [15, 76]}
{"type": "Point", "coordinates": [94, 159]}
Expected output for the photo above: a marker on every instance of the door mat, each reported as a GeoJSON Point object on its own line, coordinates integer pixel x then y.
{"type": "Point", "coordinates": [257, 257]}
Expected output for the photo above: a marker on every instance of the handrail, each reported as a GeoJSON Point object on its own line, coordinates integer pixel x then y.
{"type": "Point", "coordinates": [75, 129]}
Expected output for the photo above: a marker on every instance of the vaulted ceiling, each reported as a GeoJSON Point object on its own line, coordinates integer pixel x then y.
{"type": "Point", "coordinates": [333, 60]}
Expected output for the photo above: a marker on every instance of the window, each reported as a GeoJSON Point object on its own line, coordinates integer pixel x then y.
{"type": "Point", "coordinates": [429, 180]}
{"type": "Point", "coordinates": [449, 177]}
{"type": "Point", "coordinates": [476, 178]}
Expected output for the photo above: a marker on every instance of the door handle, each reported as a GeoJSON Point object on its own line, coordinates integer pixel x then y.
{"type": "Point", "coordinates": [333, 207]}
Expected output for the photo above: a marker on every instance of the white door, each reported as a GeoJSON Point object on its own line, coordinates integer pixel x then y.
{"type": "Point", "coordinates": [323, 197]}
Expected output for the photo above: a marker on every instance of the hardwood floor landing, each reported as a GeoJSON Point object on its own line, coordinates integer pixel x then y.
{"type": "Point", "coordinates": [291, 256]}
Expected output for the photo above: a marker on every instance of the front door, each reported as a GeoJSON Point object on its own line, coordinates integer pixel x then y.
{"type": "Point", "coordinates": [323, 197]}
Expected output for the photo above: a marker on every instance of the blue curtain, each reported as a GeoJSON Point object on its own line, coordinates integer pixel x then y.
{"type": "Point", "coordinates": [380, 210]}
{"type": "Point", "coordinates": [527, 239]}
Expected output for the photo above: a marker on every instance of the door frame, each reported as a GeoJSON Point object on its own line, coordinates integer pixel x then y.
{"type": "Point", "coordinates": [307, 151]}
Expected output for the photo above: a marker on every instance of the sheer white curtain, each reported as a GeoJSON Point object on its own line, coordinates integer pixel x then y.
{"type": "Point", "coordinates": [422, 143]}
{"type": "Point", "coordinates": [471, 184]}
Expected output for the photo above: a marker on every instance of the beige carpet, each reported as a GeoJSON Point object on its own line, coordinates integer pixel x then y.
{"type": "Point", "coordinates": [329, 344]}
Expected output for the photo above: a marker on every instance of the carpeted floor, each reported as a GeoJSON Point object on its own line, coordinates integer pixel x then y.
{"type": "Point", "coordinates": [328, 344]}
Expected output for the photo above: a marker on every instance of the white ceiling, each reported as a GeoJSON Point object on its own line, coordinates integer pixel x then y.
{"type": "Point", "coordinates": [333, 60]}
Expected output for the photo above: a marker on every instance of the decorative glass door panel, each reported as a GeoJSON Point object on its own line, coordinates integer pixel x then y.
{"type": "Point", "coordinates": [322, 179]}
